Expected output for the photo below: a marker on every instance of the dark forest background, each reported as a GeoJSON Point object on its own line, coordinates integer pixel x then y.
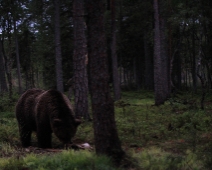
{"type": "Point", "coordinates": [28, 43]}
{"type": "Point", "coordinates": [97, 47]}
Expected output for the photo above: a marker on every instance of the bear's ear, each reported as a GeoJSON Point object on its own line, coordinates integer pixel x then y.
{"type": "Point", "coordinates": [77, 122]}
{"type": "Point", "coordinates": [57, 122]}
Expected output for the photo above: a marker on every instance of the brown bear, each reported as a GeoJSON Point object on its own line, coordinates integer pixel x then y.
{"type": "Point", "coordinates": [45, 112]}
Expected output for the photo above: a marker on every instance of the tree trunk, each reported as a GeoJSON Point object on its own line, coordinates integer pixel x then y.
{"type": "Point", "coordinates": [178, 68]}
{"type": "Point", "coordinates": [17, 59]}
{"type": "Point", "coordinates": [58, 55]}
{"type": "Point", "coordinates": [9, 59]}
{"type": "Point", "coordinates": [149, 75]}
{"type": "Point", "coordinates": [116, 80]}
{"type": "Point", "coordinates": [3, 82]}
{"type": "Point", "coordinates": [105, 132]}
{"type": "Point", "coordinates": [165, 64]}
{"type": "Point", "coordinates": [80, 78]}
{"type": "Point", "coordinates": [194, 76]}
{"type": "Point", "coordinates": [158, 84]}
{"type": "Point", "coordinates": [161, 60]}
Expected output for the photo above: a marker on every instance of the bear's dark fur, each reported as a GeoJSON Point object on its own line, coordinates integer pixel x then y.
{"type": "Point", "coordinates": [45, 112]}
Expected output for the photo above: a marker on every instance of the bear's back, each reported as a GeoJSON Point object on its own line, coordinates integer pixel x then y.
{"type": "Point", "coordinates": [25, 107]}
{"type": "Point", "coordinates": [27, 100]}
{"type": "Point", "coordinates": [55, 104]}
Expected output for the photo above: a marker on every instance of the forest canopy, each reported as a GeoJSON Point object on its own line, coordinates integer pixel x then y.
{"type": "Point", "coordinates": [27, 29]}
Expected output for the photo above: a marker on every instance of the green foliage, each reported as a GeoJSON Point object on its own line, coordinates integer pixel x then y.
{"type": "Point", "coordinates": [6, 103]}
{"type": "Point", "coordinates": [208, 156]}
{"type": "Point", "coordinates": [176, 127]}
{"type": "Point", "coordinates": [85, 132]}
{"type": "Point", "coordinates": [67, 160]}
{"type": "Point", "coordinates": [11, 164]}
{"type": "Point", "coordinates": [6, 149]}
{"type": "Point", "coordinates": [189, 120]}
{"type": "Point", "coordinates": [9, 131]}
{"type": "Point", "coordinates": [175, 135]}
{"type": "Point", "coordinates": [157, 159]}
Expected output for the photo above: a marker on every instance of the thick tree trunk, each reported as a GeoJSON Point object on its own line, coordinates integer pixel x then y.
{"type": "Point", "coordinates": [105, 132]}
{"type": "Point", "coordinates": [161, 60]}
{"type": "Point", "coordinates": [80, 78]}
{"type": "Point", "coordinates": [58, 55]}
{"type": "Point", "coordinates": [165, 64]}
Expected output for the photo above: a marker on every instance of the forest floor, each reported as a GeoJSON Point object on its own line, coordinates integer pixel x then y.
{"type": "Point", "coordinates": [176, 135]}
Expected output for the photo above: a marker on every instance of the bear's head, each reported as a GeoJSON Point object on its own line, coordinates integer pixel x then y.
{"type": "Point", "coordinates": [65, 130]}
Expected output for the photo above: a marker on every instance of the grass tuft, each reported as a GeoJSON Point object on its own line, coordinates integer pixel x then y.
{"type": "Point", "coordinates": [157, 159]}
{"type": "Point", "coordinates": [67, 160]}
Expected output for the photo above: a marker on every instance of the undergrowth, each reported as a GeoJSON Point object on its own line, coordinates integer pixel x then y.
{"type": "Point", "coordinates": [67, 160]}
{"type": "Point", "coordinates": [7, 104]}
{"type": "Point", "coordinates": [176, 135]}
{"type": "Point", "coordinates": [155, 158]}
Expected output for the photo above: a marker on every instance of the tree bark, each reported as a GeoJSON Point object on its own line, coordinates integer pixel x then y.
{"type": "Point", "coordinates": [58, 55]}
{"type": "Point", "coordinates": [105, 132]}
{"type": "Point", "coordinates": [161, 60]}
{"type": "Point", "coordinates": [158, 85]}
{"type": "Point", "coordinates": [17, 59]}
{"type": "Point", "coordinates": [194, 76]}
{"type": "Point", "coordinates": [9, 59]}
{"type": "Point", "coordinates": [3, 82]}
{"type": "Point", "coordinates": [165, 63]}
{"type": "Point", "coordinates": [116, 80]}
{"type": "Point", "coordinates": [149, 75]}
{"type": "Point", "coordinates": [80, 78]}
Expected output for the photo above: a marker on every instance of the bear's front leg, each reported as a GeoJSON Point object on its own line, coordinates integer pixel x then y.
{"type": "Point", "coordinates": [44, 139]}
{"type": "Point", "coordinates": [25, 137]}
